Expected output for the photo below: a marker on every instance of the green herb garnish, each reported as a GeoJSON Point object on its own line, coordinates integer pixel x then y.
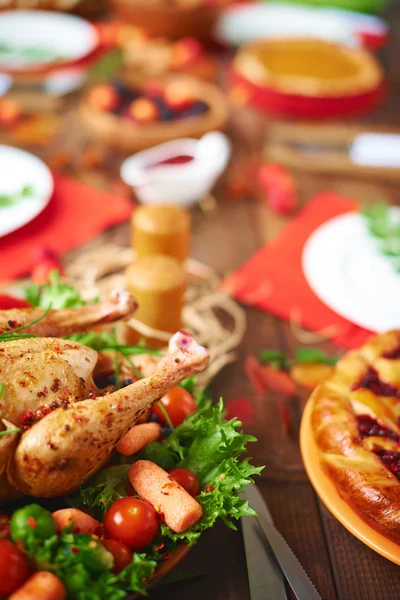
{"type": "Point", "coordinates": [12, 199]}
{"type": "Point", "coordinates": [385, 230]}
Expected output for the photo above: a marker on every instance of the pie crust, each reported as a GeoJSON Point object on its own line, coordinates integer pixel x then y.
{"type": "Point", "coordinates": [126, 135]}
{"type": "Point", "coordinates": [309, 67]}
{"type": "Point", "coordinates": [355, 420]}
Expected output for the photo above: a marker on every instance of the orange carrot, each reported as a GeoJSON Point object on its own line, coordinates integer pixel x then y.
{"type": "Point", "coordinates": [138, 437]}
{"type": "Point", "coordinates": [83, 523]}
{"type": "Point", "coordinates": [174, 505]}
{"type": "Point", "coordinates": [42, 585]}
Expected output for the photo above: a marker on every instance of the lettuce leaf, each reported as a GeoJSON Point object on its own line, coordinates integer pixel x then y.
{"type": "Point", "coordinates": [54, 293]}
{"type": "Point", "coordinates": [206, 444]}
{"type": "Point", "coordinates": [84, 567]}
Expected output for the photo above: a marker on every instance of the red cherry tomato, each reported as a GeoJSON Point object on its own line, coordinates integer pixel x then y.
{"type": "Point", "coordinates": [7, 302]}
{"type": "Point", "coordinates": [178, 403]}
{"type": "Point", "coordinates": [14, 568]}
{"type": "Point", "coordinates": [121, 553]}
{"type": "Point", "coordinates": [187, 479]}
{"type": "Point", "coordinates": [132, 522]}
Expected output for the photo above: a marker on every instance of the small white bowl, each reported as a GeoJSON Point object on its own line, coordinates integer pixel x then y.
{"type": "Point", "coordinates": [183, 184]}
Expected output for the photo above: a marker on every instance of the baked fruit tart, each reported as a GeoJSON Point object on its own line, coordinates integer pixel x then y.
{"type": "Point", "coordinates": [355, 420]}
{"type": "Point", "coordinates": [171, 18]}
{"type": "Point", "coordinates": [146, 57]}
{"type": "Point", "coordinates": [133, 118]}
{"type": "Point", "coordinates": [308, 77]}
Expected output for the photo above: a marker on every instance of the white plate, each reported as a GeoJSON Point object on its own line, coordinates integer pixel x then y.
{"type": "Point", "coordinates": [19, 169]}
{"type": "Point", "coordinates": [242, 24]}
{"type": "Point", "coordinates": [345, 269]}
{"type": "Point", "coordinates": [35, 39]}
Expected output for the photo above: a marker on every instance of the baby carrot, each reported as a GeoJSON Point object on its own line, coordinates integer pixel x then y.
{"type": "Point", "coordinates": [43, 585]}
{"type": "Point", "coordinates": [83, 523]}
{"type": "Point", "coordinates": [174, 505]}
{"type": "Point", "coordinates": [138, 437]}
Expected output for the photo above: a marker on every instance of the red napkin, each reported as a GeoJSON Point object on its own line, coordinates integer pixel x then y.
{"type": "Point", "coordinates": [273, 279]}
{"type": "Point", "coordinates": [75, 214]}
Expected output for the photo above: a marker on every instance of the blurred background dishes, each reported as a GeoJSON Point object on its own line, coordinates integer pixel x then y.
{"type": "Point", "coordinates": [145, 57]}
{"type": "Point", "coordinates": [175, 19]}
{"type": "Point", "coordinates": [373, 6]}
{"type": "Point", "coordinates": [36, 41]}
{"type": "Point", "coordinates": [180, 172]}
{"type": "Point", "coordinates": [26, 187]}
{"type": "Point", "coordinates": [307, 77]}
{"type": "Point", "coordinates": [240, 24]}
{"type": "Point", "coordinates": [134, 118]}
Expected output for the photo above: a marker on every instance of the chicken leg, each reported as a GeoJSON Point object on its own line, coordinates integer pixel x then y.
{"type": "Point", "coordinates": [63, 322]}
{"type": "Point", "coordinates": [68, 445]}
{"type": "Point", "coordinates": [40, 371]}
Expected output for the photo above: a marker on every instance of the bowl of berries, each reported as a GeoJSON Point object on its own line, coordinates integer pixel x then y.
{"type": "Point", "coordinates": [132, 118]}
{"type": "Point", "coordinates": [171, 18]}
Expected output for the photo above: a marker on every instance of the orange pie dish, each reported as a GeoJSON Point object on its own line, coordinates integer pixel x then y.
{"type": "Point", "coordinates": [134, 118]}
{"type": "Point", "coordinates": [171, 18]}
{"type": "Point", "coordinates": [308, 77]}
{"type": "Point", "coordinates": [350, 440]}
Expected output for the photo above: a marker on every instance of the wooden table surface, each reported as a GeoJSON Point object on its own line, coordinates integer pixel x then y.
{"type": "Point", "coordinates": [341, 567]}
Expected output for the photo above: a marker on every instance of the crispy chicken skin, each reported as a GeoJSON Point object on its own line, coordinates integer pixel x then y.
{"type": "Point", "coordinates": [60, 323]}
{"type": "Point", "coordinates": [75, 438]}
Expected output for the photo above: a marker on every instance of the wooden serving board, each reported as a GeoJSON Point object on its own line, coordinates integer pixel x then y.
{"type": "Point", "coordinates": [322, 148]}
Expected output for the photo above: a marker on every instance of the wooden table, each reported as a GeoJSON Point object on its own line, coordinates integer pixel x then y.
{"type": "Point", "coordinates": [341, 567]}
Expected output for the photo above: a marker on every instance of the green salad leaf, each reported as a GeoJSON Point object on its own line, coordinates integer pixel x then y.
{"type": "Point", "coordinates": [314, 355]}
{"type": "Point", "coordinates": [81, 561]}
{"type": "Point", "coordinates": [206, 444]}
{"type": "Point", "coordinates": [54, 293]}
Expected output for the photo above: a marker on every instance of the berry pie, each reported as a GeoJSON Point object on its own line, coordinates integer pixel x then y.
{"type": "Point", "coordinates": [356, 424]}
{"type": "Point", "coordinates": [133, 118]}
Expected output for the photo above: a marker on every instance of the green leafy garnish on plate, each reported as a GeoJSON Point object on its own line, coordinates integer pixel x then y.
{"type": "Point", "coordinates": [385, 229]}
{"type": "Point", "coordinates": [11, 199]}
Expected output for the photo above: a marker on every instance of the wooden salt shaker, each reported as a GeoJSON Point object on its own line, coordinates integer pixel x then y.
{"type": "Point", "coordinates": [161, 229]}
{"type": "Point", "coordinates": [158, 283]}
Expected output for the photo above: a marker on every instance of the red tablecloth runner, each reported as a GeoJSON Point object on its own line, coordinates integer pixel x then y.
{"type": "Point", "coordinates": [75, 214]}
{"type": "Point", "coordinates": [273, 279]}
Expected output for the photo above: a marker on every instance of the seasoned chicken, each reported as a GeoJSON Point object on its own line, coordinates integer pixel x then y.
{"type": "Point", "coordinates": [69, 432]}
{"type": "Point", "coordinates": [60, 323]}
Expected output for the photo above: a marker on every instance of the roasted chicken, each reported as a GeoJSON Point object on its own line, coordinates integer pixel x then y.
{"type": "Point", "coordinates": [60, 323]}
{"type": "Point", "coordinates": [69, 427]}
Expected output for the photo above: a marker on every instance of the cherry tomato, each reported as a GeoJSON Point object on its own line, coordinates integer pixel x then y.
{"type": "Point", "coordinates": [121, 553]}
{"type": "Point", "coordinates": [187, 479]}
{"type": "Point", "coordinates": [178, 403]}
{"type": "Point", "coordinates": [132, 522]}
{"type": "Point", "coordinates": [14, 568]}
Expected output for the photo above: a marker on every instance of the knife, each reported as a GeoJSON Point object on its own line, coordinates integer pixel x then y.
{"type": "Point", "coordinates": [296, 576]}
{"type": "Point", "coordinates": [266, 581]}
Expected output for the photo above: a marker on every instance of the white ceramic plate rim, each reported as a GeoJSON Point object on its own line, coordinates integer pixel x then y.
{"type": "Point", "coordinates": [242, 24]}
{"type": "Point", "coordinates": [44, 189]}
{"type": "Point", "coordinates": [87, 36]}
{"type": "Point", "coordinates": [322, 257]}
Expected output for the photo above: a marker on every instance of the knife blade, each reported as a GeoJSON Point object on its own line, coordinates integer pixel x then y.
{"type": "Point", "coordinates": [296, 576]}
{"type": "Point", "coordinates": [266, 580]}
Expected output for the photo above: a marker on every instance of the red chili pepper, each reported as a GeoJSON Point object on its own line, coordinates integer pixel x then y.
{"type": "Point", "coordinates": [242, 409]}
{"type": "Point", "coordinates": [210, 488]}
{"type": "Point", "coordinates": [7, 302]}
{"type": "Point", "coordinates": [279, 187]}
{"type": "Point", "coordinates": [255, 374]}
{"type": "Point", "coordinates": [47, 261]}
